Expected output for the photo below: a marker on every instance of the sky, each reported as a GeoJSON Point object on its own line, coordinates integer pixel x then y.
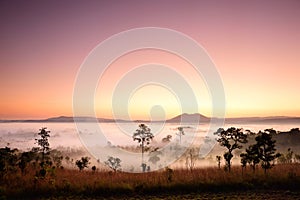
{"type": "Point", "coordinates": [255, 46]}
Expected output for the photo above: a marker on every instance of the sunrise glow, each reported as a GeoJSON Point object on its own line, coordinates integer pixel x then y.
{"type": "Point", "coordinates": [254, 45]}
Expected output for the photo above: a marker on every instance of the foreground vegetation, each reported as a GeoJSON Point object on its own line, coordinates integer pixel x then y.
{"type": "Point", "coordinates": [39, 173]}
{"type": "Point", "coordinates": [74, 183]}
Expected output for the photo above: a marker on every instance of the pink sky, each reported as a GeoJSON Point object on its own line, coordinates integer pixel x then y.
{"type": "Point", "coordinates": [254, 44]}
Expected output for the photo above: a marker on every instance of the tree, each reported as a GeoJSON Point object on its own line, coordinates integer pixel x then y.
{"type": "Point", "coordinates": [169, 174]}
{"type": "Point", "coordinates": [43, 142]}
{"type": "Point", "coordinates": [266, 149]}
{"type": "Point", "coordinates": [251, 157]}
{"type": "Point", "coordinates": [94, 168]}
{"type": "Point", "coordinates": [295, 131]}
{"type": "Point", "coordinates": [232, 138]}
{"type": "Point", "coordinates": [44, 149]}
{"type": "Point", "coordinates": [167, 139]}
{"type": "Point", "coordinates": [180, 133]}
{"type": "Point", "coordinates": [289, 156]}
{"type": "Point", "coordinates": [190, 159]}
{"type": "Point", "coordinates": [154, 156]}
{"type": "Point", "coordinates": [219, 158]}
{"type": "Point", "coordinates": [243, 161]}
{"type": "Point", "coordinates": [82, 163]}
{"type": "Point", "coordinates": [144, 136]}
{"type": "Point", "coordinates": [113, 163]}
{"type": "Point", "coordinates": [271, 131]}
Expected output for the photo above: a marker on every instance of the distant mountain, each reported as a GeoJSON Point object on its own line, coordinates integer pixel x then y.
{"type": "Point", "coordinates": [274, 119]}
{"type": "Point", "coordinates": [65, 119]}
{"type": "Point", "coordinates": [81, 119]}
{"type": "Point", "coordinates": [191, 118]}
{"type": "Point", "coordinates": [184, 118]}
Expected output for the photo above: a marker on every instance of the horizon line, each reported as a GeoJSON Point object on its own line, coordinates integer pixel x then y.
{"type": "Point", "coordinates": [60, 116]}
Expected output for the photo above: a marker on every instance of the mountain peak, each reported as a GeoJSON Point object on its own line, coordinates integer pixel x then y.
{"type": "Point", "coordinates": [186, 117]}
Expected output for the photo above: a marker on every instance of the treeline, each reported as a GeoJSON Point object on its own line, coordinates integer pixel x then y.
{"type": "Point", "coordinates": [261, 151]}
{"type": "Point", "coordinates": [40, 171]}
{"type": "Point", "coordinates": [43, 159]}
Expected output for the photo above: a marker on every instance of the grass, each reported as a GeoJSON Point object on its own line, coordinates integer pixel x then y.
{"type": "Point", "coordinates": [67, 183]}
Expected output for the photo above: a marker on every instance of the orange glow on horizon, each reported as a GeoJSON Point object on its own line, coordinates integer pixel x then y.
{"type": "Point", "coordinates": [254, 45]}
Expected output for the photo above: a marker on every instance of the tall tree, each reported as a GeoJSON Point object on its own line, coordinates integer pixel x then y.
{"type": "Point", "coordinates": [232, 138]}
{"type": "Point", "coordinates": [180, 133]}
{"type": "Point", "coordinates": [44, 148]}
{"type": "Point", "coordinates": [144, 136]}
{"type": "Point", "coordinates": [266, 148]}
{"type": "Point", "coordinates": [43, 142]}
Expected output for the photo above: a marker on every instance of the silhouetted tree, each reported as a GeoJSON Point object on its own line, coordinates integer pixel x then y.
{"type": "Point", "coordinates": [167, 139]}
{"type": "Point", "coordinates": [94, 168]}
{"type": "Point", "coordinates": [271, 131]}
{"type": "Point", "coordinates": [113, 163]}
{"type": "Point", "coordinates": [180, 133]}
{"type": "Point", "coordinates": [82, 163]}
{"type": "Point", "coordinates": [243, 161]}
{"type": "Point", "coordinates": [289, 156]}
{"type": "Point", "coordinates": [154, 156]}
{"type": "Point", "coordinates": [68, 160]}
{"type": "Point", "coordinates": [219, 158]}
{"type": "Point", "coordinates": [190, 159]}
{"type": "Point", "coordinates": [266, 149]}
{"type": "Point", "coordinates": [169, 174]}
{"type": "Point", "coordinates": [44, 148]}
{"type": "Point", "coordinates": [232, 138]}
{"type": "Point", "coordinates": [251, 157]}
{"type": "Point", "coordinates": [43, 142]}
{"type": "Point", "coordinates": [295, 131]}
{"type": "Point", "coordinates": [144, 136]}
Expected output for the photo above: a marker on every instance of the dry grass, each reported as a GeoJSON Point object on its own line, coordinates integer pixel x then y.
{"type": "Point", "coordinates": [67, 183]}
